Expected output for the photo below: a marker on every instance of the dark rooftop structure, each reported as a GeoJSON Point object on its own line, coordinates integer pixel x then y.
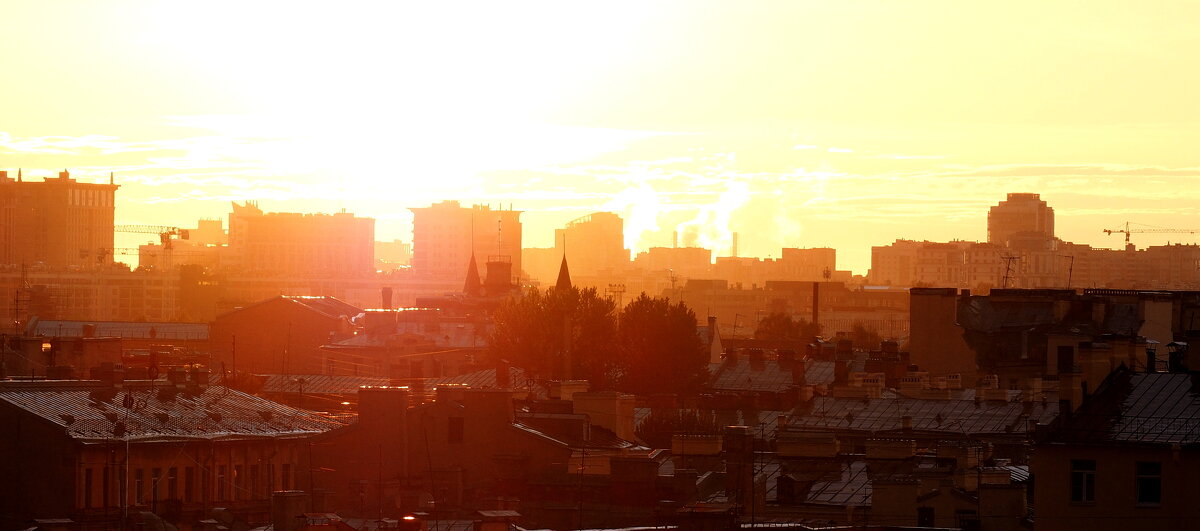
{"type": "Point", "coordinates": [1137, 407]}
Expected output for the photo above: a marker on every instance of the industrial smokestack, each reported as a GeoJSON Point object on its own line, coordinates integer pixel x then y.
{"type": "Point", "coordinates": [675, 240]}
{"type": "Point", "coordinates": [816, 311]}
{"type": "Point", "coordinates": [735, 242]}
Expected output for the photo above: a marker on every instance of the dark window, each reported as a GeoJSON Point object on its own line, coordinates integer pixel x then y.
{"type": "Point", "coordinates": [254, 493]}
{"type": "Point", "coordinates": [455, 432]}
{"type": "Point", "coordinates": [155, 477]}
{"type": "Point", "coordinates": [87, 488]}
{"type": "Point", "coordinates": [138, 479]}
{"type": "Point", "coordinates": [172, 483]}
{"type": "Point", "coordinates": [1083, 480]}
{"type": "Point", "coordinates": [239, 483]}
{"type": "Point", "coordinates": [270, 478]}
{"type": "Point", "coordinates": [221, 483]}
{"type": "Point", "coordinates": [924, 516]}
{"type": "Point", "coordinates": [189, 482]}
{"type": "Point", "coordinates": [285, 478]}
{"type": "Point", "coordinates": [1149, 483]}
{"type": "Point", "coordinates": [104, 486]}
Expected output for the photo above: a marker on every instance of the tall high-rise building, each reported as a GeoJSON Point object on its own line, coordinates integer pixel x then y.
{"type": "Point", "coordinates": [304, 245]}
{"type": "Point", "coordinates": [1020, 213]}
{"type": "Point", "coordinates": [446, 235]}
{"type": "Point", "coordinates": [58, 222]}
{"type": "Point", "coordinates": [593, 243]}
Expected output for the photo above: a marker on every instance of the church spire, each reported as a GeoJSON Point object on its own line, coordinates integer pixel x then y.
{"type": "Point", "coordinates": [564, 275]}
{"type": "Point", "coordinates": [473, 287]}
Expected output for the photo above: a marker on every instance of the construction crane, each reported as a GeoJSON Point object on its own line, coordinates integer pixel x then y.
{"type": "Point", "coordinates": [164, 233]}
{"type": "Point", "coordinates": [1153, 230]}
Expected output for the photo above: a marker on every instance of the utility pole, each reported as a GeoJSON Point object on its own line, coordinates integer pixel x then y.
{"type": "Point", "coordinates": [1070, 268]}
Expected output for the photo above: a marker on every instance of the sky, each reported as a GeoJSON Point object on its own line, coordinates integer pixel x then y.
{"type": "Point", "coordinates": [840, 124]}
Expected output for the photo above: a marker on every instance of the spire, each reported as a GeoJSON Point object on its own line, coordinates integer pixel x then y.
{"type": "Point", "coordinates": [473, 287]}
{"type": "Point", "coordinates": [564, 275]}
{"type": "Point", "coordinates": [110, 177]}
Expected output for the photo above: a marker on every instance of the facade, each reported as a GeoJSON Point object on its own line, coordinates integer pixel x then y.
{"type": "Point", "coordinates": [446, 236]}
{"type": "Point", "coordinates": [282, 335]}
{"type": "Point", "coordinates": [300, 245]}
{"type": "Point", "coordinates": [1125, 459]}
{"type": "Point", "coordinates": [58, 222]}
{"type": "Point", "coordinates": [102, 452]}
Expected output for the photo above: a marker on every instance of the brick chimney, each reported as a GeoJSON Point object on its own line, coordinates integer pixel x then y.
{"type": "Point", "coordinates": [799, 372]}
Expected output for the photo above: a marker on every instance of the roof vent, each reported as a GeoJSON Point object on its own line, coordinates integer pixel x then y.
{"type": "Point", "coordinates": [69, 419]}
{"type": "Point", "coordinates": [162, 417]}
{"type": "Point", "coordinates": [215, 416]}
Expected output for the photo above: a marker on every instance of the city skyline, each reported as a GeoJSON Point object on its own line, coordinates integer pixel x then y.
{"type": "Point", "coordinates": [795, 125]}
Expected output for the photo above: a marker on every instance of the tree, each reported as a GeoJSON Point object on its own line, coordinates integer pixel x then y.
{"type": "Point", "coordinates": [782, 326]}
{"type": "Point", "coordinates": [541, 331]}
{"type": "Point", "coordinates": [660, 349]}
{"type": "Point", "coordinates": [864, 337]}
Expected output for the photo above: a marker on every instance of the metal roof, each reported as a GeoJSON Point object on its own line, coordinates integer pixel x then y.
{"type": "Point", "coordinates": [948, 416]}
{"type": "Point", "coordinates": [850, 485]}
{"type": "Point", "coordinates": [1157, 408]}
{"type": "Point", "coordinates": [486, 379]}
{"type": "Point", "coordinates": [89, 411]}
{"type": "Point", "coordinates": [318, 384]}
{"type": "Point", "coordinates": [130, 330]}
{"type": "Point", "coordinates": [769, 375]}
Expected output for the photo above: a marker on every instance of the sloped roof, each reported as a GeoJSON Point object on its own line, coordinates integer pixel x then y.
{"type": "Point", "coordinates": [486, 379]}
{"type": "Point", "coordinates": [318, 384]}
{"type": "Point", "coordinates": [89, 411]}
{"type": "Point", "coordinates": [769, 375]}
{"type": "Point", "coordinates": [948, 416]}
{"type": "Point", "coordinates": [330, 307]}
{"type": "Point", "coordinates": [1157, 408]}
{"type": "Point", "coordinates": [849, 485]}
{"type": "Point", "coordinates": [125, 329]}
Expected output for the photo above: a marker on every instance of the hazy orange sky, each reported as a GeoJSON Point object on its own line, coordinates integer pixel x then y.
{"type": "Point", "coordinates": [797, 124]}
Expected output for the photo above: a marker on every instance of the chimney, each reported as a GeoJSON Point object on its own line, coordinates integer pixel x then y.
{"type": "Point", "coordinates": [89, 330]}
{"type": "Point", "coordinates": [287, 510]}
{"type": "Point", "coordinates": [1151, 361]}
{"type": "Point", "coordinates": [675, 240]}
{"type": "Point", "coordinates": [841, 372]}
{"type": "Point", "coordinates": [906, 422]}
{"type": "Point", "coordinates": [734, 250]}
{"type": "Point", "coordinates": [177, 376]}
{"type": "Point", "coordinates": [816, 304]}
{"type": "Point", "coordinates": [200, 376]}
{"type": "Point", "coordinates": [712, 329]}
{"type": "Point", "coordinates": [386, 293]}
{"type": "Point", "coordinates": [799, 372]}
{"type": "Point", "coordinates": [503, 377]}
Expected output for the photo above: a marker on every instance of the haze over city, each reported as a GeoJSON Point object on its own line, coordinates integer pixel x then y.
{"type": "Point", "coordinates": [547, 266]}
{"type": "Point", "coordinates": [796, 124]}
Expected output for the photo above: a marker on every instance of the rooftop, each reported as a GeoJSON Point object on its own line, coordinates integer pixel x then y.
{"type": "Point", "coordinates": [145, 411]}
{"type": "Point", "coordinates": [1155, 408]}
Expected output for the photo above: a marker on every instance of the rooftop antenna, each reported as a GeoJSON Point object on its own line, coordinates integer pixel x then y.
{"type": "Point", "coordinates": [1008, 268]}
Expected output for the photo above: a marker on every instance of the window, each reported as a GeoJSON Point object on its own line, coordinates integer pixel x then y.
{"type": "Point", "coordinates": [454, 432]}
{"type": "Point", "coordinates": [1083, 481]}
{"type": "Point", "coordinates": [189, 482]}
{"type": "Point", "coordinates": [221, 482]}
{"type": "Point", "coordinates": [155, 478]}
{"type": "Point", "coordinates": [1149, 482]}
{"type": "Point", "coordinates": [924, 516]}
{"type": "Point", "coordinates": [254, 493]}
{"type": "Point", "coordinates": [285, 479]}
{"type": "Point", "coordinates": [138, 480]}
{"type": "Point", "coordinates": [87, 488]}
{"type": "Point", "coordinates": [239, 483]}
{"type": "Point", "coordinates": [172, 483]}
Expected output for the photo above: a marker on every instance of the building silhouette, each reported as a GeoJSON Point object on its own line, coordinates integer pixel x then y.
{"type": "Point", "coordinates": [445, 235]}
{"type": "Point", "coordinates": [1020, 213]}
{"type": "Point", "coordinates": [594, 243]}
{"type": "Point", "coordinates": [58, 222]}
{"type": "Point", "coordinates": [301, 245]}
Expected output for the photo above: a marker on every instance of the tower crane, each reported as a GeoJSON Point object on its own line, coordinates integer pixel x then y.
{"type": "Point", "coordinates": [1156, 230]}
{"type": "Point", "coordinates": [164, 233]}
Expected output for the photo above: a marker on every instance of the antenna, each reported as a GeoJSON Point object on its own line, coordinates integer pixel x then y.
{"type": "Point", "coordinates": [1008, 268]}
